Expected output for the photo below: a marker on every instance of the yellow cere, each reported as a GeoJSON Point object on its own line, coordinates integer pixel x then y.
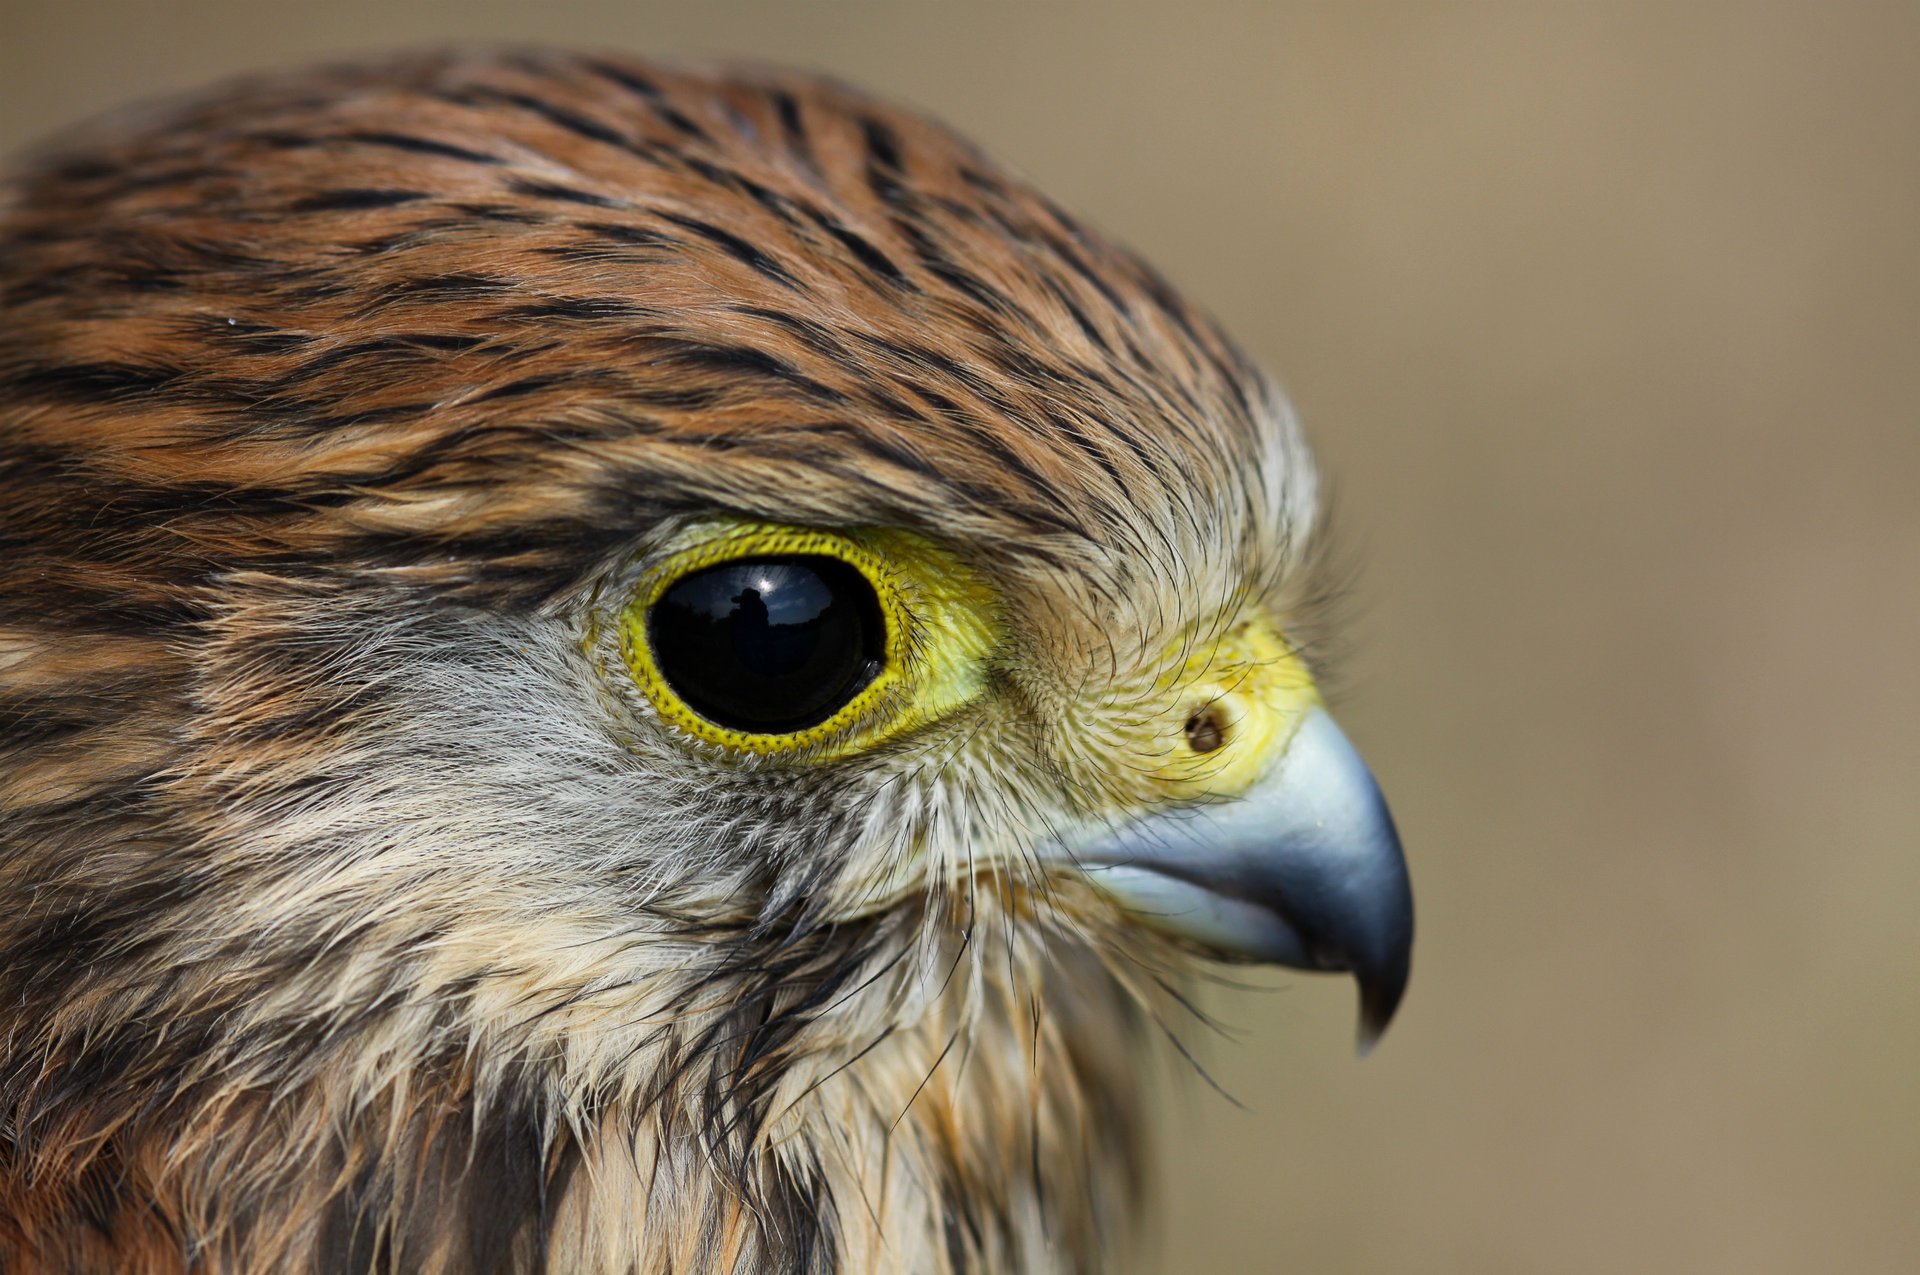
{"type": "Point", "coordinates": [941, 622]}
{"type": "Point", "coordinates": [1255, 687]}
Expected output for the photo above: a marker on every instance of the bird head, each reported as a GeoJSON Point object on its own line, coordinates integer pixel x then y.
{"type": "Point", "coordinates": [653, 609]}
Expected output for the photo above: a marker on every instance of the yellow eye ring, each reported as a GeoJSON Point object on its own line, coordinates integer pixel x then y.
{"type": "Point", "coordinates": [850, 725]}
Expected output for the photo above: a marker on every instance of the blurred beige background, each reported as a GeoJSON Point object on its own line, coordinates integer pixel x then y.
{"type": "Point", "coordinates": [1607, 320]}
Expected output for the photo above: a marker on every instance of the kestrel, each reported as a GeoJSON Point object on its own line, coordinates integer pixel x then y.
{"type": "Point", "coordinates": [618, 669]}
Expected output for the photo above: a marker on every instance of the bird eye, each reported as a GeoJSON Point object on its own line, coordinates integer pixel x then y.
{"type": "Point", "coordinates": [768, 645]}
{"type": "Point", "coordinates": [806, 643]}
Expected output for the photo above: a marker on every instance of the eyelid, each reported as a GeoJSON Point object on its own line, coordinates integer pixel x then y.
{"type": "Point", "coordinates": [843, 731]}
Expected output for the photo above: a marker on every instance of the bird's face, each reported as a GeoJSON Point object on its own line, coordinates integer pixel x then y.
{"type": "Point", "coordinates": [902, 722]}
{"type": "Point", "coordinates": [596, 589]}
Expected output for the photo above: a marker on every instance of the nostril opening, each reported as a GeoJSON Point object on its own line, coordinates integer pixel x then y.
{"type": "Point", "coordinates": [1207, 730]}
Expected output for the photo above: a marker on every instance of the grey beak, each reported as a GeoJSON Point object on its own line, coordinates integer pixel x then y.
{"type": "Point", "coordinates": [1305, 870]}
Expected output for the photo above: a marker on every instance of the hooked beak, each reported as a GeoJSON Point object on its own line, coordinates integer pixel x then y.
{"type": "Point", "coordinates": [1304, 870]}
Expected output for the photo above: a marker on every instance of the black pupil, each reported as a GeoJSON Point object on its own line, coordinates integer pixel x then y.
{"type": "Point", "coordinates": [768, 645]}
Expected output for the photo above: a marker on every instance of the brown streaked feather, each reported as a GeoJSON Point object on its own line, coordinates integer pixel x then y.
{"type": "Point", "coordinates": [346, 936]}
{"type": "Point", "coordinates": [305, 309]}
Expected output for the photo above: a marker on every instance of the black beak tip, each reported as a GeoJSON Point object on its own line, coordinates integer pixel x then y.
{"type": "Point", "coordinates": [1380, 995]}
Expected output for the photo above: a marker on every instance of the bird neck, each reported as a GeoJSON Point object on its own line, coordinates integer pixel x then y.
{"type": "Point", "coordinates": [854, 1102]}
